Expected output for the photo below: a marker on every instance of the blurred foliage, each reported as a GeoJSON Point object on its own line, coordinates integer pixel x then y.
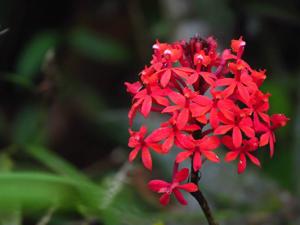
{"type": "Point", "coordinates": [97, 48]}
{"type": "Point", "coordinates": [63, 109]}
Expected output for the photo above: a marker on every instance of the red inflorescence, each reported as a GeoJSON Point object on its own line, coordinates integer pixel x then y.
{"type": "Point", "coordinates": [211, 98]}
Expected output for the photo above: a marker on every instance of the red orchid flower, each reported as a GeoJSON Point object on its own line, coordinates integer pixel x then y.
{"type": "Point", "coordinates": [139, 143]}
{"type": "Point", "coordinates": [198, 148]}
{"type": "Point", "coordinates": [144, 99]}
{"type": "Point", "coordinates": [200, 92]}
{"type": "Point", "coordinates": [237, 122]}
{"type": "Point", "coordinates": [245, 150]}
{"type": "Point", "coordinates": [171, 134]}
{"type": "Point", "coordinates": [166, 189]}
{"type": "Point", "coordinates": [241, 84]}
{"type": "Point", "coordinates": [259, 105]}
{"type": "Point", "coordinates": [172, 74]}
{"type": "Point", "coordinates": [189, 104]}
{"type": "Point", "coordinates": [267, 130]}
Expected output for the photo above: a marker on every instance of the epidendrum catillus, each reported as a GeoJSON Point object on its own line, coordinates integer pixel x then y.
{"type": "Point", "coordinates": [209, 99]}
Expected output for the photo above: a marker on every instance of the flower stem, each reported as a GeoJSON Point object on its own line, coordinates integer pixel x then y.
{"type": "Point", "coordinates": [198, 195]}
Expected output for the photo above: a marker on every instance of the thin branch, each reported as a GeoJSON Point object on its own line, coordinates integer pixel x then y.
{"type": "Point", "coordinates": [47, 217]}
{"type": "Point", "coordinates": [198, 195]}
{"type": "Point", "coordinates": [4, 31]}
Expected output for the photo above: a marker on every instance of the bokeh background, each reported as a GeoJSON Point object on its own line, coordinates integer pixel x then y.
{"type": "Point", "coordinates": [63, 110]}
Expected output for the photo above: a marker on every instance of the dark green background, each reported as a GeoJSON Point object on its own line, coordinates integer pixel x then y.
{"type": "Point", "coordinates": [63, 110]}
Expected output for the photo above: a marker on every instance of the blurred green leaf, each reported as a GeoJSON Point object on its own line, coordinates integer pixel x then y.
{"type": "Point", "coordinates": [28, 126]}
{"type": "Point", "coordinates": [55, 162]}
{"type": "Point", "coordinates": [280, 100]}
{"type": "Point", "coordinates": [97, 47]}
{"type": "Point", "coordinates": [12, 217]}
{"type": "Point", "coordinates": [3, 122]}
{"type": "Point", "coordinates": [32, 56]}
{"type": "Point", "coordinates": [38, 190]}
{"type": "Point", "coordinates": [18, 80]}
{"type": "Point", "coordinates": [114, 185]}
{"type": "Point", "coordinates": [6, 163]}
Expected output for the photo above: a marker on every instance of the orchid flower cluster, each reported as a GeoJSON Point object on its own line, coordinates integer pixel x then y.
{"type": "Point", "coordinates": [209, 99]}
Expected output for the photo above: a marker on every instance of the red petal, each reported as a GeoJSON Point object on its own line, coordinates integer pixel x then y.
{"type": "Point", "coordinates": [231, 156]}
{"type": "Point", "coordinates": [225, 82]}
{"type": "Point", "coordinates": [265, 117]}
{"type": "Point", "coordinates": [192, 78]}
{"type": "Point", "coordinates": [259, 126]}
{"type": "Point", "coordinates": [237, 137]}
{"type": "Point", "coordinates": [165, 78]}
{"type": "Point", "coordinates": [209, 143]}
{"type": "Point", "coordinates": [159, 134]}
{"type": "Point", "coordinates": [222, 129]}
{"type": "Point", "coordinates": [143, 130]}
{"type": "Point", "coordinates": [133, 110]}
{"type": "Point", "coordinates": [177, 98]}
{"type": "Point", "coordinates": [167, 145]}
{"type": "Point", "coordinates": [134, 87]}
{"type": "Point", "coordinates": [214, 120]}
{"type": "Point", "coordinates": [227, 107]}
{"type": "Point", "coordinates": [237, 44]}
{"type": "Point", "coordinates": [202, 119]}
{"type": "Point", "coordinates": [161, 100]}
{"type": "Point", "coordinates": [146, 158]}
{"type": "Point", "coordinates": [182, 118]}
{"type": "Point", "coordinates": [248, 131]}
{"type": "Point", "coordinates": [243, 92]}
{"type": "Point", "coordinates": [146, 107]}
{"type": "Point", "coordinates": [184, 73]}
{"type": "Point", "coordinates": [253, 159]}
{"type": "Point", "coordinates": [227, 141]}
{"type": "Point", "coordinates": [192, 127]}
{"type": "Point", "coordinates": [181, 175]}
{"type": "Point", "coordinates": [156, 147]}
{"type": "Point", "coordinates": [189, 187]}
{"type": "Point", "coordinates": [229, 90]}
{"type": "Point", "coordinates": [141, 94]}
{"type": "Point", "coordinates": [211, 156]}
{"type": "Point", "coordinates": [164, 199]}
{"type": "Point", "coordinates": [181, 156]}
{"type": "Point", "coordinates": [197, 162]}
{"type": "Point", "coordinates": [179, 197]}
{"type": "Point", "coordinates": [246, 122]}
{"type": "Point", "coordinates": [198, 110]}
{"type": "Point", "coordinates": [272, 141]}
{"type": "Point", "coordinates": [264, 139]}
{"type": "Point", "coordinates": [208, 77]}
{"type": "Point", "coordinates": [246, 79]}
{"type": "Point", "coordinates": [202, 100]}
{"type": "Point", "coordinates": [158, 185]}
{"type": "Point", "coordinates": [184, 69]}
{"type": "Point", "coordinates": [133, 154]}
{"type": "Point", "coordinates": [186, 141]}
{"type": "Point", "coordinates": [242, 163]}
{"type": "Point", "coordinates": [170, 109]}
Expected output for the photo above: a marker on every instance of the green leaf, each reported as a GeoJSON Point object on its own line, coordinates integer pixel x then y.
{"type": "Point", "coordinates": [97, 47]}
{"type": "Point", "coordinates": [280, 100]}
{"type": "Point", "coordinates": [6, 163]}
{"type": "Point", "coordinates": [32, 56]}
{"type": "Point", "coordinates": [55, 162]}
{"type": "Point", "coordinates": [11, 217]}
{"type": "Point", "coordinates": [18, 80]}
{"type": "Point", "coordinates": [28, 126]}
{"type": "Point", "coordinates": [38, 190]}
